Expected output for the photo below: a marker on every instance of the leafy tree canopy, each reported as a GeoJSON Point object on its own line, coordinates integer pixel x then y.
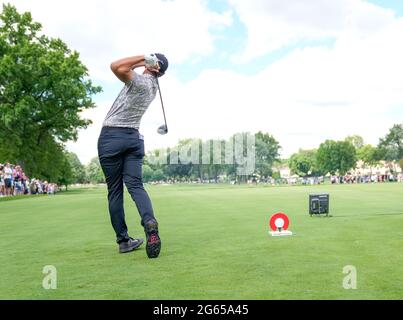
{"type": "Point", "coordinates": [336, 157]}
{"type": "Point", "coordinates": [391, 145]}
{"type": "Point", "coordinates": [43, 89]}
{"type": "Point", "coordinates": [304, 163]}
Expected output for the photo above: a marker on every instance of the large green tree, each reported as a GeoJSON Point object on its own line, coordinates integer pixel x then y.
{"type": "Point", "coordinates": [216, 157]}
{"type": "Point", "coordinates": [391, 146]}
{"type": "Point", "coordinates": [147, 173]}
{"type": "Point", "coordinates": [303, 163]}
{"type": "Point", "coordinates": [336, 157]}
{"type": "Point", "coordinates": [267, 153]}
{"type": "Point", "coordinates": [368, 154]}
{"type": "Point", "coordinates": [158, 175]}
{"type": "Point", "coordinates": [356, 140]}
{"type": "Point", "coordinates": [66, 175]}
{"type": "Point", "coordinates": [94, 172]}
{"type": "Point", "coordinates": [43, 89]}
{"type": "Point", "coordinates": [77, 168]}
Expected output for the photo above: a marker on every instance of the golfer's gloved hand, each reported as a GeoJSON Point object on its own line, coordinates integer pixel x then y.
{"type": "Point", "coordinates": [151, 61]}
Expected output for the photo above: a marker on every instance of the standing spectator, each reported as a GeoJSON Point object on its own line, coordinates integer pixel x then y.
{"type": "Point", "coordinates": [17, 181]}
{"type": "Point", "coordinates": [14, 182]}
{"type": "Point", "coordinates": [25, 183]}
{"type": "Point", "coordinates": [2, 189]}
{"type": "Point", "coordinates": [51, 188]}
{"type": "Point", "coordinates": [8, 174]}
{"type": "Point", "coordinates": [32, 187]}
{"type": "Point", "coordinates": [39, 187]}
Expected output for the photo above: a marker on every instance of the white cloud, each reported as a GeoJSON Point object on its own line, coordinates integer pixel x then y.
{"type": "Point", "coordinates": [273, 24]}
{"type": "Point", "coordinates": [312, 94]}
{"type": "Point", "coordinates": [104, 30]}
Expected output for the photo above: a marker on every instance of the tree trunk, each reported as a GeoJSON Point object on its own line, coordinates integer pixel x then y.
{"type": "Point", "coordinates": [200, 173]}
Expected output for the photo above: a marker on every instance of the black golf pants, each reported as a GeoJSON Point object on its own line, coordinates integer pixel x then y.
{"type": "Point", "coordinates": [121, 153]}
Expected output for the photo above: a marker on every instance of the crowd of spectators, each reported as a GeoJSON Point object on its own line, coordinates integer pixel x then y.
{"type": "Point", "coordinates": [374, 178]}
{"type": "Point", "coordinates": [346, 179]}
{"type": "Point", "coordinates": [14, 182]}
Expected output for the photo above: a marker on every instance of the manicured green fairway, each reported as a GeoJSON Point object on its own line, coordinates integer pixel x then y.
{"type": "Point", "coordinates": [215, 245]}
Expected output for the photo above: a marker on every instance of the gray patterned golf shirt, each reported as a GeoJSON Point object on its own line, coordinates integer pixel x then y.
{"type": "Point", "coordinates": [132, 102]}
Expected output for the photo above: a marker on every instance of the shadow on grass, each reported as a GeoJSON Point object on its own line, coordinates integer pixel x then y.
{"type": "Point", "coordinates": [76, 191]}
{"type": "Point", "coordinates": [21, 197]}
{"type": "Point", "coordinates": [60, 193]}
{"type": "Point", "coordinates": [73, 191]}
{"type": "Point", "coordinates": [369, 215]}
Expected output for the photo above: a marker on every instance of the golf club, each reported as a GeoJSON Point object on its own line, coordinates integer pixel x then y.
{"type": "Point", "coordinates": [164, 128]}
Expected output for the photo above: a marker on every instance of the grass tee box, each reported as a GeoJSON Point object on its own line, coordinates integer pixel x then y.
{"type": "Point", "coordinates": [215, 245]}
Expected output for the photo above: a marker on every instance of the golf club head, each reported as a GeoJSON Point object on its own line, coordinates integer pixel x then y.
{"type": "Point", "coordinates": [163, 129]}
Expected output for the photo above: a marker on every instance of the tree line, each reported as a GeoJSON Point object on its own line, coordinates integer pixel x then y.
{"type": "Point", "coordinates": [339, 157]}
{"type": "Point", "coordinates": [334, 157]}
{"type": "Point", "coordinates": [265, 148]}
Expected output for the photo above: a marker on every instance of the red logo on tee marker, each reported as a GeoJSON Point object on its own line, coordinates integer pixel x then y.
{"type": "Point", "coordinates": [279, 223]}
{"type": "Point", "coordinates": [279, 220]}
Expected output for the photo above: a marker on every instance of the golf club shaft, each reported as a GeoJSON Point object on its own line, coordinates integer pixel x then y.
{"type": "Point", "coordinates": [162, 103]}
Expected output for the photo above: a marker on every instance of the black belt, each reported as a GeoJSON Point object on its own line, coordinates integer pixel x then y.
{"type": "Point", "coordinates": [124, 129]}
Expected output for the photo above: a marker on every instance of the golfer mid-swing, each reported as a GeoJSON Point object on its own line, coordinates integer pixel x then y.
{"type": "Point", "coordinates": [121, 148]}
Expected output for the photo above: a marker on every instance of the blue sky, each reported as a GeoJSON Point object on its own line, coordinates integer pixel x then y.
{"type": "Point", "coordinates": [395, 5]}
{"type": "Point", "coordinates": [302, 70]}
{"type": "Point", "coordinates": [231, 40]}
